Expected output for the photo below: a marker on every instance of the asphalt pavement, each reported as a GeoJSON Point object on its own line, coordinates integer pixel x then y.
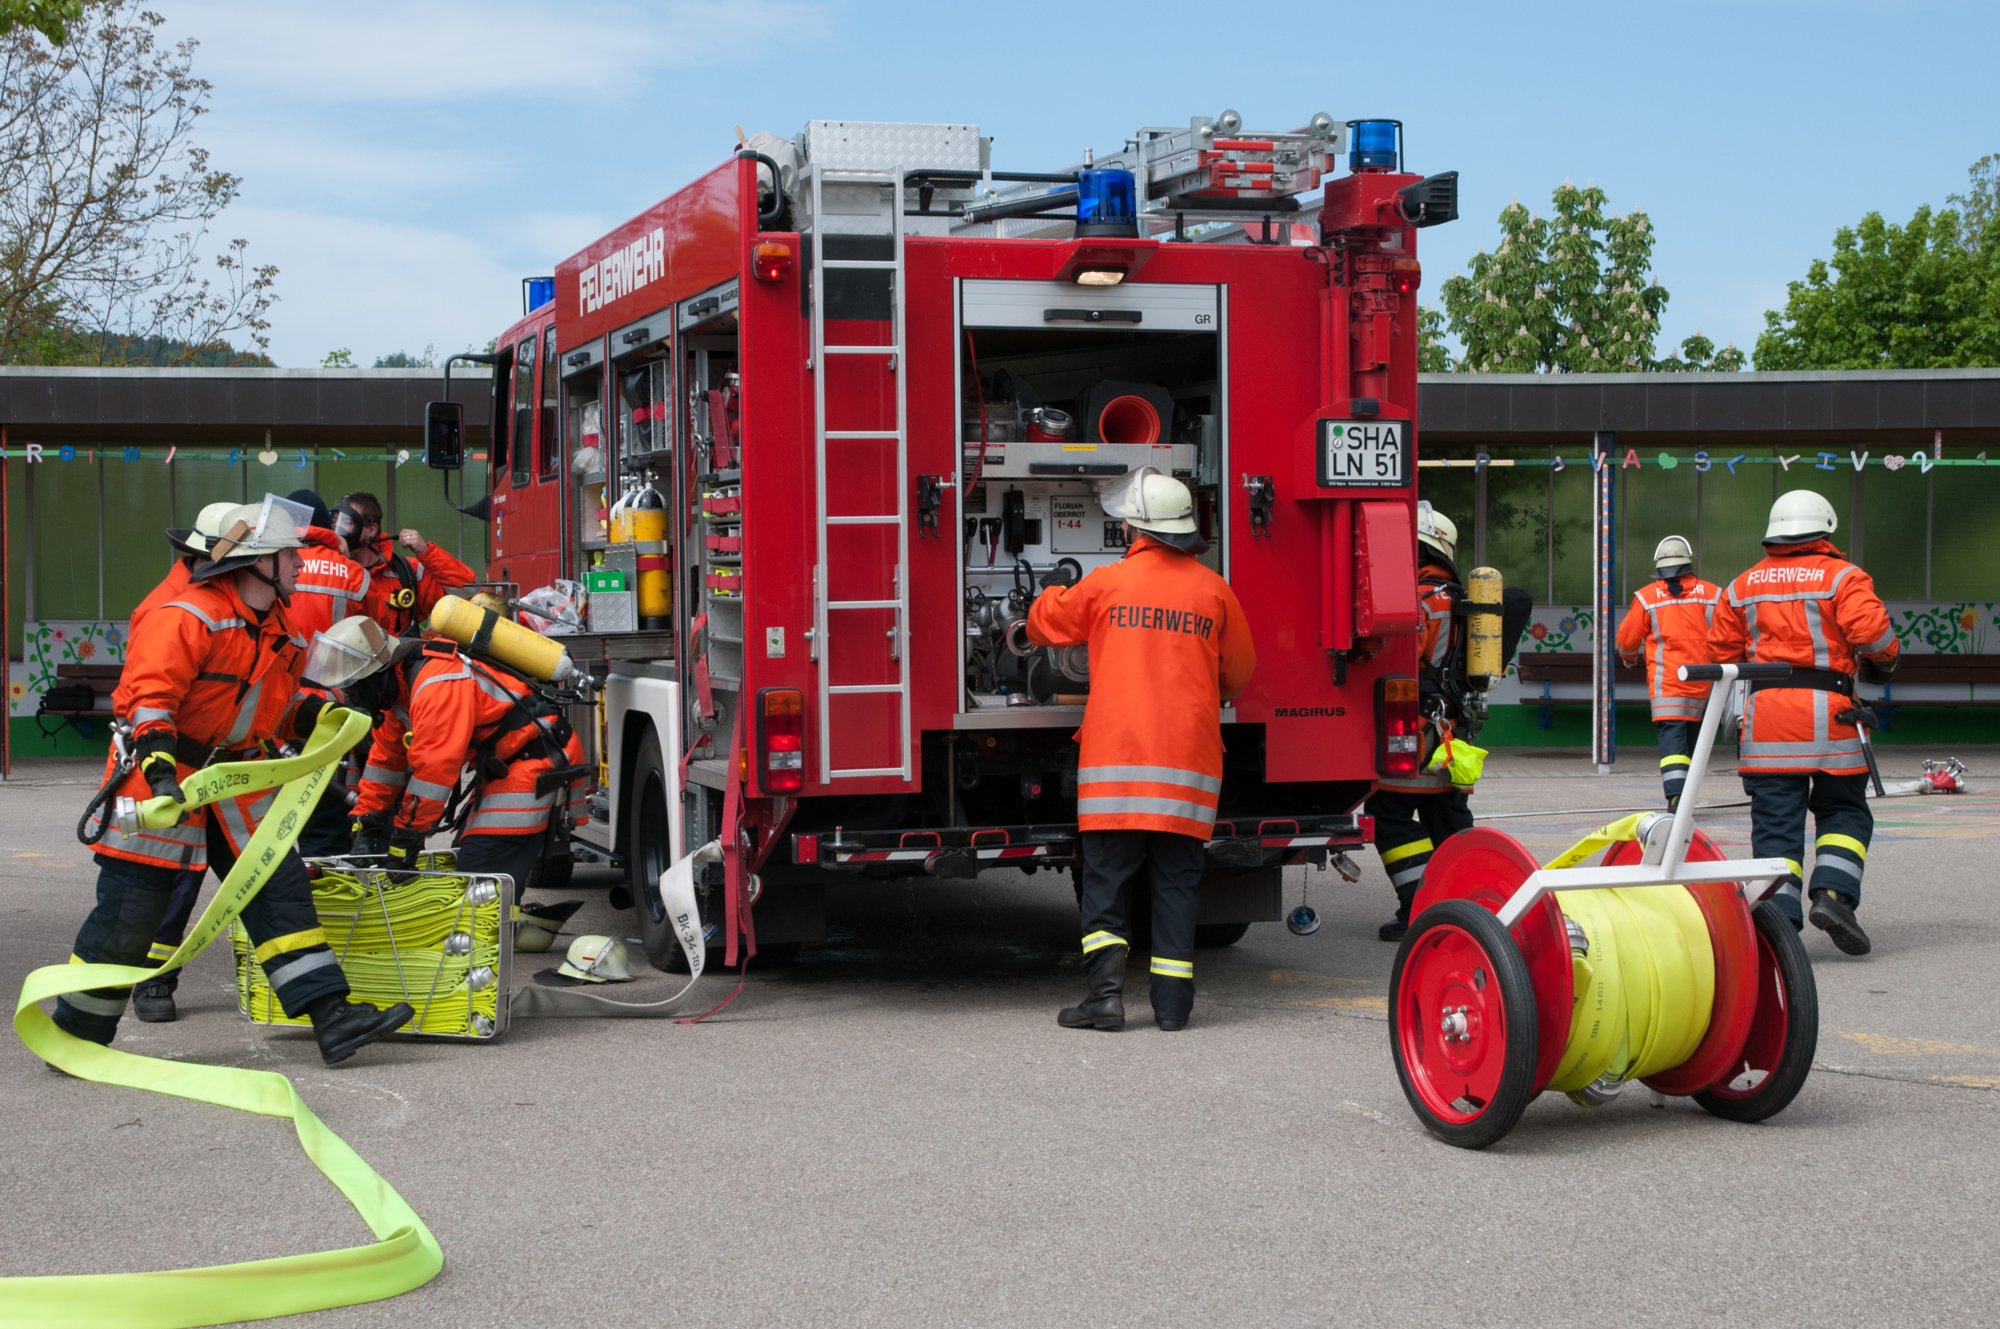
{"type": "Point", "coordinates": [894, 1131]}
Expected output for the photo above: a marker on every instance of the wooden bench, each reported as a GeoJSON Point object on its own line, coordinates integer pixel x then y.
{"type": "Point", "coordinates": [102, 680]}
{"type": "Point", "coordinates": [1967, 671]}
{"type": "Point", "coordinates": [1551, 667]}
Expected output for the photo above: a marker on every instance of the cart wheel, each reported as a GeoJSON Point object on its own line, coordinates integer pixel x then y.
{"type": "Point", "coordinates": [1487, 866]}
{"type": "Point", "coordinates": [1776, 1059]}
{"type": "Point", "coordinates": [1733, 939]}
{"type": "Point", "coordinates": [1462, 1024]}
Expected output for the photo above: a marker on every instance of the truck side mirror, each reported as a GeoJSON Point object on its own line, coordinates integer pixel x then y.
{"type": "Point", "coordinates": [444, 435]}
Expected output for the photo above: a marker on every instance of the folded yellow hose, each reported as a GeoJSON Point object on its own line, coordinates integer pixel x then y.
{"type": "Point", "coordinates": [432, 940]}
{"type": "Point", "coordinates": [404, 1255]}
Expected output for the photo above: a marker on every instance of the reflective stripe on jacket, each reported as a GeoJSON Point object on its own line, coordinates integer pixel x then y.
{"type": "Point", "coordinates": [1670, 631]}
{"type": "Point", "coordinates": [1803, 605]}
{"type": "Point", "coordinates": [1168, 643]}
{"type": "Point", "coordinates": [330, 587]}
{"type": "Point", "coordinates": [459, 709]}
{"type": "Point", "coordinates": [203, 668]}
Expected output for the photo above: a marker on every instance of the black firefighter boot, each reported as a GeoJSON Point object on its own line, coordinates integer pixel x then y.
{"type": "Point", "coordinates": [1834, 915]}
{"type": "Point", "coordinates": [153, 1000]}
{"type": "Point", "coordinates": [1104, 1007]}
{"type": "Point", "coordinates": [1394, 929]}
{"type": "Point", "coordinates": [344, 1027]}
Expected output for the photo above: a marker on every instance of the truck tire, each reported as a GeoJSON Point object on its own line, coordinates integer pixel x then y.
{"type": "Point", "coordinates": [1214, 935]}
{"type": "Point", "coordinates": [650, 852]}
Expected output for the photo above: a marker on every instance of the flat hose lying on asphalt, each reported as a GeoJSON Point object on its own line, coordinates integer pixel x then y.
{"type": "Point", "coordinates": [404, 1255]}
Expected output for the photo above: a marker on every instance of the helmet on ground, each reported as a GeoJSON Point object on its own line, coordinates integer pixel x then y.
{"type": "Point", "coordinates": [1157, 504]}
{"type": "Point", "coordinates": [1800, 515]}
{"type": "Point", "coordinates": [351, 650]}
{"type": "Point", "coordinates": [1673, 555]}
{"type": "Point", "coordinates": [596, 959]}
{"type": "Point", "coordinates": [1436, 530]}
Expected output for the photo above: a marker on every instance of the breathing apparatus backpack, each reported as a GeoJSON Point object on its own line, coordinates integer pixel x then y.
{"type": "Point", "coordinates": [1487, 620]}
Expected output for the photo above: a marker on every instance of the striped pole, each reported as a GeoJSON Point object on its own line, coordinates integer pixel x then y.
{"type": "Point", "coordinates": [1604, 660]}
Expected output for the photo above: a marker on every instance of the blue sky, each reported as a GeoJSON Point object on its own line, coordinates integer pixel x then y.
{"type": "Point", "coordinates": [406, 164]}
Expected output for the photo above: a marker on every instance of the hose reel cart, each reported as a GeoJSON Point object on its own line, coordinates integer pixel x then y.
{"type": "Point", "coordinates": [1662, 963]}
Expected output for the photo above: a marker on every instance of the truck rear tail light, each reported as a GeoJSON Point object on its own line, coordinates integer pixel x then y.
{"type": "Point", "coordinates": [1406, 274]}
{"type": "Point", "coordinates": [771, 261]}
{"type": "Point", "coordinates": [781, 740]}
{"type": "Point", "coordinates": [1399, 729]}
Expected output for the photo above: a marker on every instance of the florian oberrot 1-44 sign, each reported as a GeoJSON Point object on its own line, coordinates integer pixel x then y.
{"type": "Point", "coordinates": [1373, 453]}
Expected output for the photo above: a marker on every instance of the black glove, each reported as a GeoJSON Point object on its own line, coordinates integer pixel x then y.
{"type": "Point", "coordinates": [156, 762]}
{"type": "Point", "coordinates": [404, 846]}
{"type": "Point", "coordinates": [1878, 674]}
{"type": "Point", "coordinates": [371, 835]}
{"type": "Point", "coordinates": [307, 714]}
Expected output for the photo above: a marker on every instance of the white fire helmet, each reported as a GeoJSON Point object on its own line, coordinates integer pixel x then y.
{"type": "Point", "coordinates": [254, 530]}
{"type": "Point", "coordinates": [1436, 530]}
{"type": "Point", "coordinates": [1673, 552]}
{"type": "Point", "coordinates": [350, 650]}
{"type": "Point", "coordinates": [596, 959]}
{"type": "Point", "coordinates": [1155, 503]}
{"type": "Point", "coordinates": [1799, 515]}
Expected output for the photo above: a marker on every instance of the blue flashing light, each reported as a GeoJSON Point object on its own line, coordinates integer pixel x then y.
{"type": "Point", "coordinates": [541, 290]}
{"type": "Point", "coordinates": [1375, 145]}
{"type": "Point", "coordinates": [1105, 203]}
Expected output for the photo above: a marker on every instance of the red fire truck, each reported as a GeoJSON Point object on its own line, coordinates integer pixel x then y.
{"type": "Point", "coordinates": [867, 389]}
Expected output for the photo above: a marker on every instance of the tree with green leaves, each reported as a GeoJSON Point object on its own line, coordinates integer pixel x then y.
{"type": "Point", "coordinates": [1924, 295]}
{"type": "Point", "coordinates": [337, 358]}
{"type": "Point", "coordinates": [1433, 355]}
{"type": "Point", "coordinates": [1568, 293]}
{"type": "Point", "coordinates": [51, 18]}
{"type": "Point", "coordinates": [1980, 202]}
{"type": "Point", "coordinates": [106, 201]}
{"type": "Point", "coordinates": [404, 360]}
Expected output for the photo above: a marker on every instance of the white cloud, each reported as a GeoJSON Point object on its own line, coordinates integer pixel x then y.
{"type": "Point", "coordinates": [341, 277]}
{"type": "Point", "coordinates": [457, 50]}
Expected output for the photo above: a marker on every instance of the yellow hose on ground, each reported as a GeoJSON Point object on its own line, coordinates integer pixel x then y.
{"type": "Point", "coordinates": [404, 1254]}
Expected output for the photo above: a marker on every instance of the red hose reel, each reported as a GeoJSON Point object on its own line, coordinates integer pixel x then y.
{"type": "Point", "coordinates": [1479, 1013]}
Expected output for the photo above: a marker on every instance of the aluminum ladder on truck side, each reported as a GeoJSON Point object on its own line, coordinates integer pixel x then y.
{"type": "Point", "coordinates": [833, 617]}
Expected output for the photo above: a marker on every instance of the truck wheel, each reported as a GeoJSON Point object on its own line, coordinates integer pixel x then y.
{"type": "Point", "coordinates": [651, 853]}
{"type": "Point", "coordinates": [1212, 935]}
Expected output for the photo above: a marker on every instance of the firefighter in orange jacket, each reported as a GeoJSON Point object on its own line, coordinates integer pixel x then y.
{"type": "Point", "coordinates": [212, 675]}
{"type": "Point", "coordinates": [1169, 643]}
{"type": "Point", "coordinates": [1805, 605]}
{"type": "Point", "coordinates": [1415, 815]}
{"type": "Point", "coordinates": [1668, 624]}
{"type": "Point", "coordinates": [402, 590]}
{"type": "Point", "coordinates": [332, 582]}
{"type": "Point", "coordinates": [527, 765]}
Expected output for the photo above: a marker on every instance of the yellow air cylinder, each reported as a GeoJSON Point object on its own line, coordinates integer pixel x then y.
{"type": "Point", "coordinates": [621, 523]}
{"type": "Point", "coordinates": [486, 633]}
{"type": "Point", "coordinates": [1482, 624]}
{"type": "Point", "coordinates": [646, 516]}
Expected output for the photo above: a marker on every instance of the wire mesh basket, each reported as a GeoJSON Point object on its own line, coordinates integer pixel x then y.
{"type": "Point", "coordinates": [434, 937]}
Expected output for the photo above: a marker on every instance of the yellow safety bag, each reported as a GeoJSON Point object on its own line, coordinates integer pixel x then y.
{"type": "Point", "coordinates": [1462, 762]}
{"type": "Point", "coordinates": [404, 1255]}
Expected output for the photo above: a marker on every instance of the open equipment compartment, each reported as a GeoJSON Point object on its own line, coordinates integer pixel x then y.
{"type": "Point", "coordinates": [1063, 390]}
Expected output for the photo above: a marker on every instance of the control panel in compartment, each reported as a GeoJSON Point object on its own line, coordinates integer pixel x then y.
{"type": "Point", "coordinates": [1065, 393]}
